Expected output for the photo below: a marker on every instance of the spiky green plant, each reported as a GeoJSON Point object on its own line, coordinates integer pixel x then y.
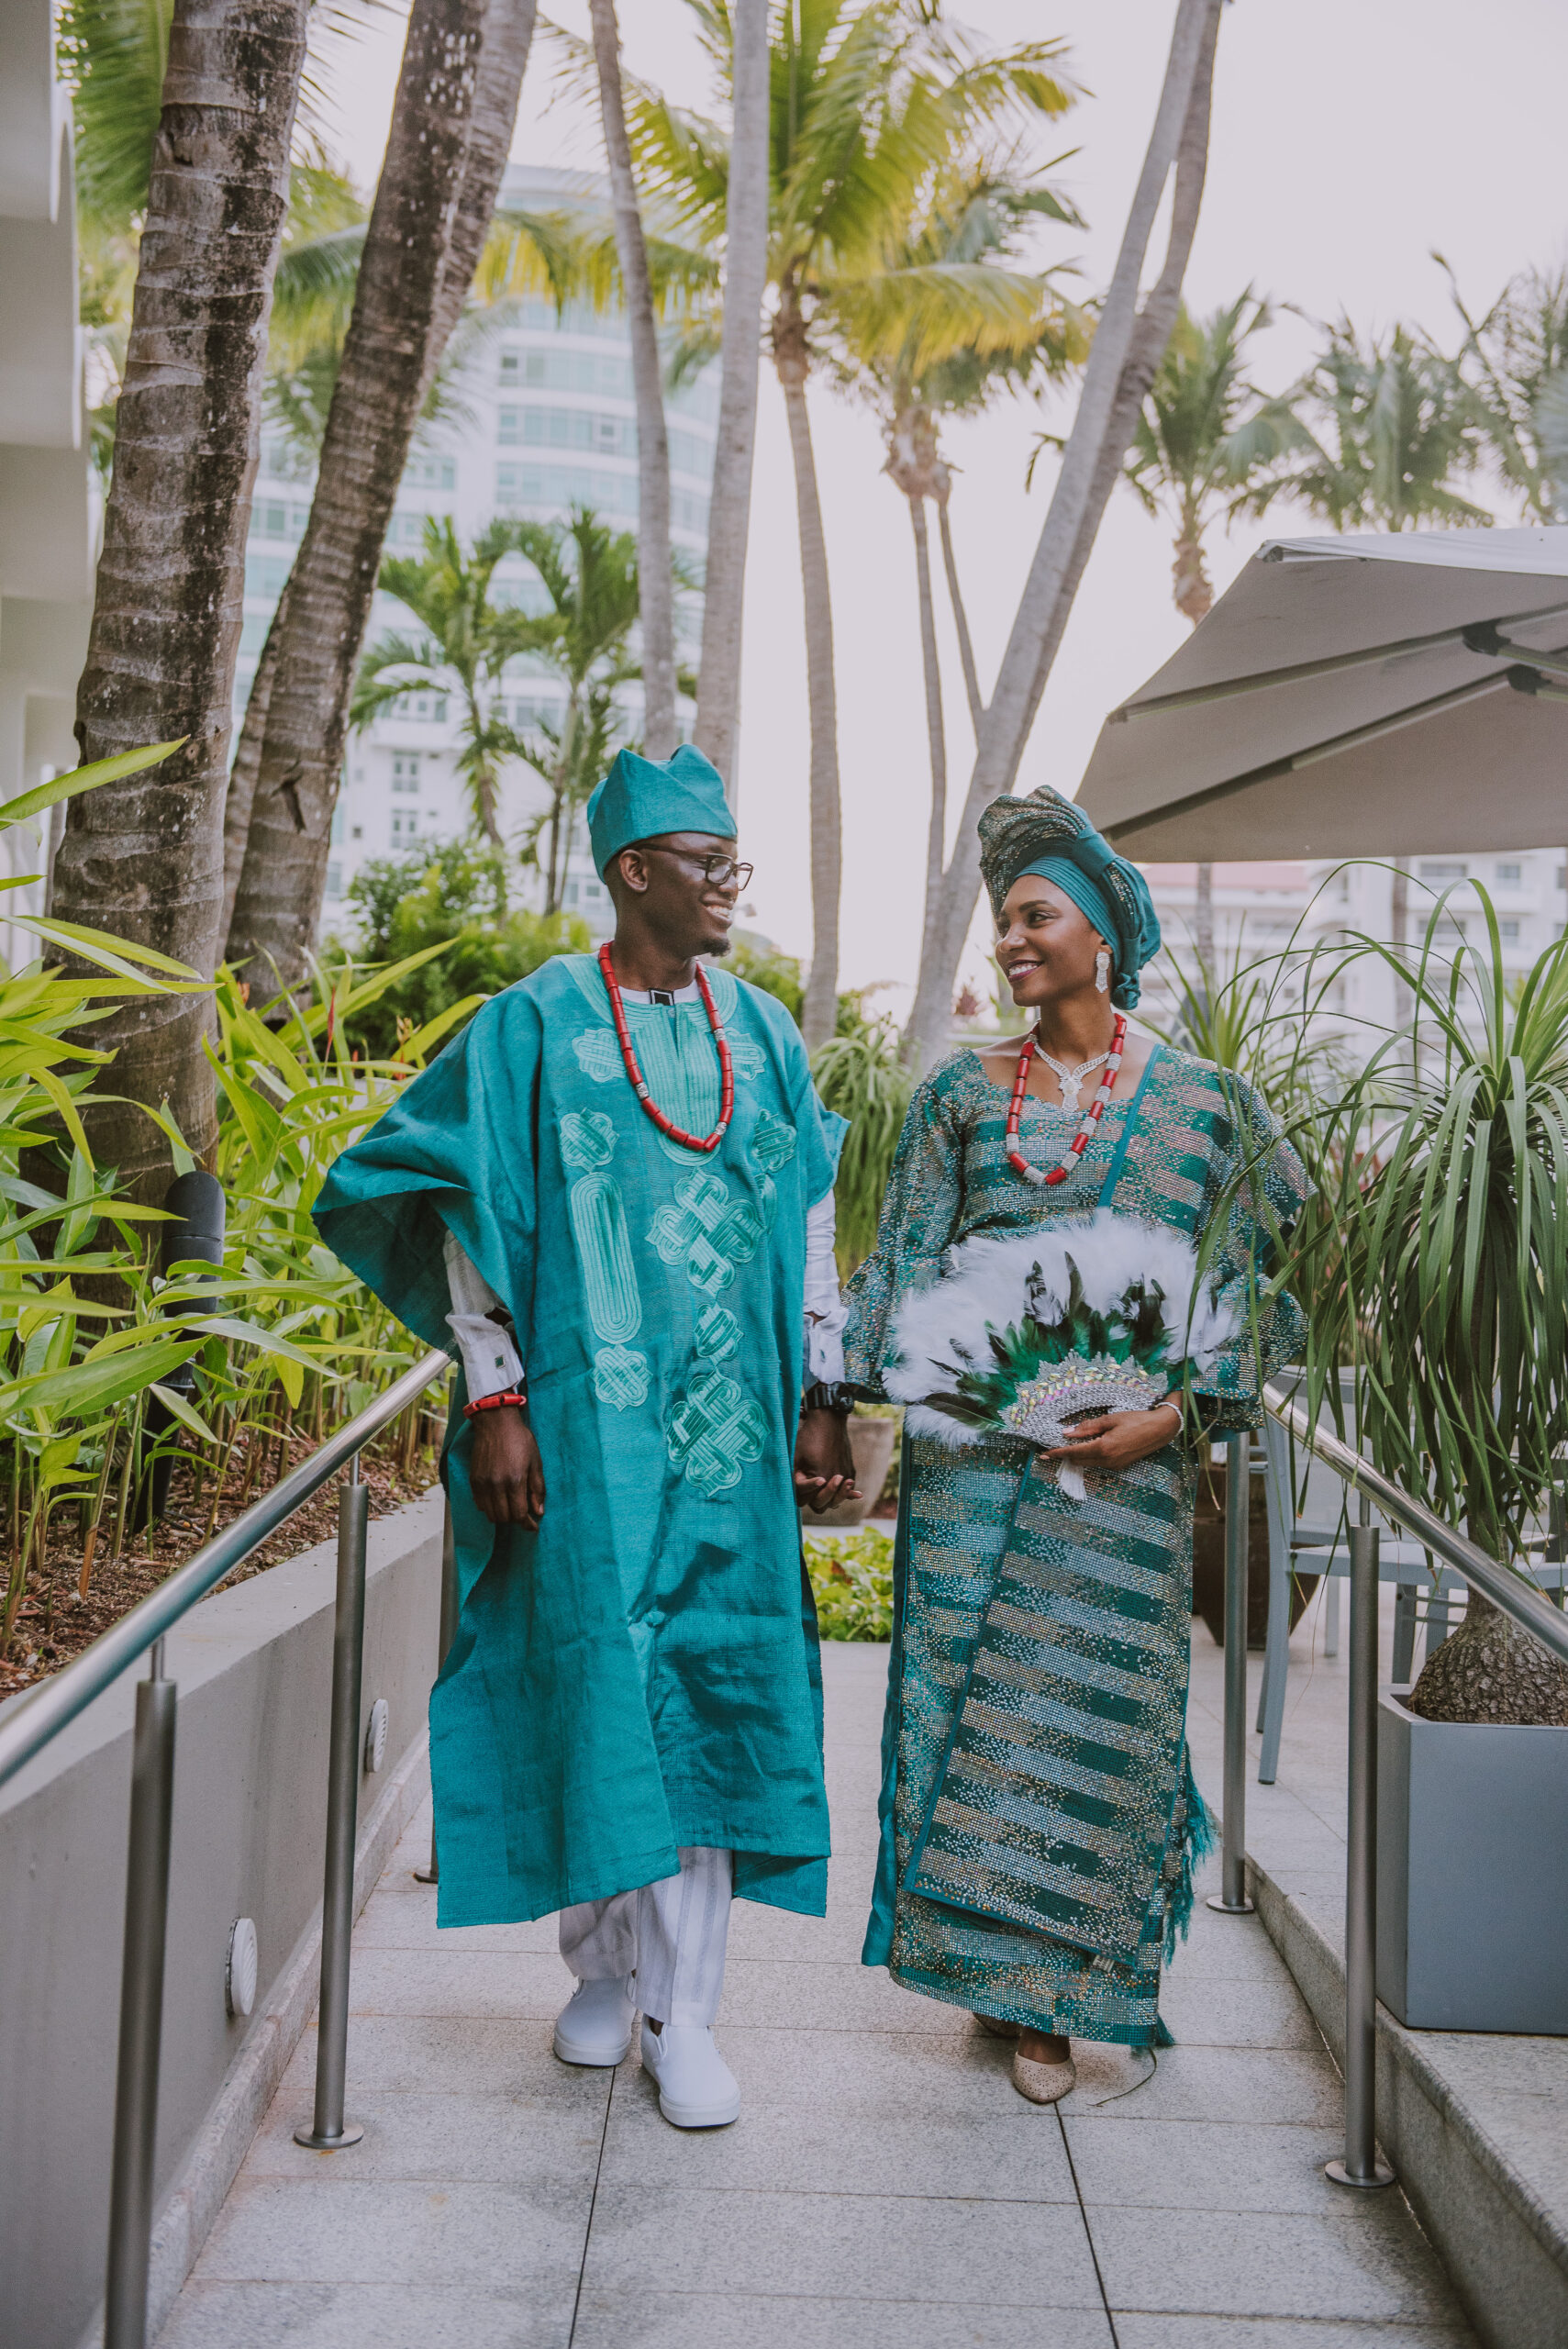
{"type": "Point", "coordinates": [861, 1076]}
{"type": "Point", "coordinates": [1437, 1266]}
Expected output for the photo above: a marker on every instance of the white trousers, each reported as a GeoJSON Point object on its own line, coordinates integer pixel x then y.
{"type": "Point", "coordinates": [671, 1935]}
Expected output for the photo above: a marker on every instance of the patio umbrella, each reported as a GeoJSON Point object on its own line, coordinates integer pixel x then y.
{"type": "Point", "coordinates": [1351, 696]}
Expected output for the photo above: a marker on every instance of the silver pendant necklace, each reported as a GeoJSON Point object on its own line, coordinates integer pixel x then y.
{"type": "Point", "coordinates": [1070, 1079]}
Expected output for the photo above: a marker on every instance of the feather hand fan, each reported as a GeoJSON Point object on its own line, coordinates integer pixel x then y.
{"type": "Point", "coordinates": [1027, 1332]}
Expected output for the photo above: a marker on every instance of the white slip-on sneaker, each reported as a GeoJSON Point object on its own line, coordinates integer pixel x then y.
{"type": "Point", "coordinates": [594, 2025]}
{"type": "Point", "coordinates": [697, 2088]}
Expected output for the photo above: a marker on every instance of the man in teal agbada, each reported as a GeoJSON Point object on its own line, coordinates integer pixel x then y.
{"type": "Point", "coordinates": [628, 1726]}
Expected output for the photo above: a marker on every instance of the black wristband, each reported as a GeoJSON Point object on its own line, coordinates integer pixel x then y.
{"type": "Point", "coordinates": [830, 1395]}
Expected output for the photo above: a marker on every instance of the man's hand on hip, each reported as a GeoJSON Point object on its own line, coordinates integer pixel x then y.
{"type": "Point", "coordinates": [824, 1465]}
{"type": "Point", "coordinates": [505, 1470]}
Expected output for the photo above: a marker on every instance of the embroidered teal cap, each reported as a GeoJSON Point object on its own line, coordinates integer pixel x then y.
{"type": "Point", "coordinates": [641, 798]}
{"type": "Point", "coordinates": [1046, 834]}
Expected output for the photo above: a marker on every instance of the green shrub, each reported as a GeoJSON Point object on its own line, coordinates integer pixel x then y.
{"type": "Point", "coordinates": [851, 1580]}
{"type": "Point", "coordinates": [455, 897]}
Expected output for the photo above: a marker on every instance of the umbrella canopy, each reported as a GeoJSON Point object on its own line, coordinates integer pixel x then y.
{"type": "Point", "coordinates": [1352, 697]}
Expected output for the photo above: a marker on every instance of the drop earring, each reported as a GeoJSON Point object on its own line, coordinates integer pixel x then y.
{"type": "Point", "coordinates": [1103, 972]}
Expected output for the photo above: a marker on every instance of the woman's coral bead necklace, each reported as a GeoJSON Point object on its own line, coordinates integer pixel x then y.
{"type": "Point", "coordinates": [1087, 1124]}
{"type": "Point", "coordinates": [638, 1083]}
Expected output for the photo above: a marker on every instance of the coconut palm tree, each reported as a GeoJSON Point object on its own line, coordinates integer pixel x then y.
{"type": "Point", "coordinates": [447, 148]}
{"type": "Point", "coordinates": [1015, 328]}
{"type": "Point", "coordinates": [589, 574]}
{"type": "Point", "coordinates": [1130, 334]}
{"type": "Point", "coordinates": [1192, 462]}
{"type": "Point", "coordinates": [469, 638]}
{"type": "Point", "coordinates": [142, 857]}
{"type": "Point", "coordinates": [1371, 437]}
{"type": "Point", "coordinates": [1514, 362]}
{"type": "Point", "coordinates": [867, 105]}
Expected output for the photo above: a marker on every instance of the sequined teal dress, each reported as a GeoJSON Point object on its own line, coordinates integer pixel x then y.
{"type": "Point", "coordinates": [1039, 1815]}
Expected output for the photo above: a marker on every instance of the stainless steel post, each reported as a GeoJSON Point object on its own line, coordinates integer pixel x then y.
{"type": "Point", "coordinates": [1231, 1899]}
{"type": "Point", "coordinates": [1360, 2166]}
{"type": "Point", "coordinates": [446, 1634]}
{"type": "Point", "coordinates": [328, 2132]}
{"type": "Point", "coordinates": [141, 2009]}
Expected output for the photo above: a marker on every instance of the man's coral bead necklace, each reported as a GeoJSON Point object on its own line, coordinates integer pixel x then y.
{"type": "Point", "coordinates": [638, 1083]}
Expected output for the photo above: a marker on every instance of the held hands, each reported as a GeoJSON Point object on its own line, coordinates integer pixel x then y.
{"type": "Point", "coordinates": [824, 1466]}
{"type": "Point", "coordinates": [1113, 1439]}
{"type": "Point", "coordinates": [505, 1470]}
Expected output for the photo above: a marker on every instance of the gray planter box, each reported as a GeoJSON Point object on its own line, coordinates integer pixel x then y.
{"type": "Point", "coordinates": [1471, 1874]}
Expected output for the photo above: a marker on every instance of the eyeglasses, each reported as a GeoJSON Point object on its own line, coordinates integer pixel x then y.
{"type": "Point", "coordinates": [720, 872]}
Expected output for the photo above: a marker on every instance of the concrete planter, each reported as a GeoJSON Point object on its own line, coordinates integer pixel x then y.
{"type": "Point", "coordinates": [254, 1668]}
{"type": "Point", "coordinates": [1472, 1873]}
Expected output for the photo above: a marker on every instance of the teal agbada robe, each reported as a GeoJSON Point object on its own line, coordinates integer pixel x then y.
{"type": "Point", "coordinates": [642, 1672]}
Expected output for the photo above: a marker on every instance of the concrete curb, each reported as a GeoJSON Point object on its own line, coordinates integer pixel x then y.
{"type": "Point", "coordinates": [1506, 2252]}
{"type": "Point", "coordinates": [241, 2104]}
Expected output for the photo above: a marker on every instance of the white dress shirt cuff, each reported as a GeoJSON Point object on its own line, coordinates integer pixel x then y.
{"type": "Point", "coordinates": [825, 1313]}
{"type": "Point", "coordinates": [491, 1363]}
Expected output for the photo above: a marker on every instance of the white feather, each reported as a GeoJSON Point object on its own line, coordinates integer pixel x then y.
{"type": "Point", "coordinates": [985, 1288]}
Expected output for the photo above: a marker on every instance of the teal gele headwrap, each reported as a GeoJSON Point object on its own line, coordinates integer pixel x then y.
{"type": "Point", "coordinates": [1046, 834]}
{"type": "Point", "coordinates": [640, 798]}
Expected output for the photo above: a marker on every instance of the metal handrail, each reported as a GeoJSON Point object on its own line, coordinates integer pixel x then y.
{"type": "Point", "coordinates": [1505, 1589]}
{"type": "Point", "coordinates": [32, 1721]}
{"type": "Point", "coordinates": [28, 1723]}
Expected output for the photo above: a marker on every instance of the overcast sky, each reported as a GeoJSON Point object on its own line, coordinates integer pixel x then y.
{"type": "Point", "coordinates": [1349, 140]}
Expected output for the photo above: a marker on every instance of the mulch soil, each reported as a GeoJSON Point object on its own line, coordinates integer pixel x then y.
{"type": "Point", "coordinates": [55, 1623]}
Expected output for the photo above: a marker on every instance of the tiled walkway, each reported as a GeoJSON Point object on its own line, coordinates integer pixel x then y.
{"type": "Point", "coordinates": [884, 2187]}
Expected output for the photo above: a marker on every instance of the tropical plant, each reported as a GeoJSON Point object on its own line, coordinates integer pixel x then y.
{"type": "Point", "coordinates": [447, 148]}
{"type": "Point", "coordinates": [589, 574]}
{"type": "Point", "coordinates": [1130, 334]}
{"type": "Point", "coordinates": [1514, 362]}
{"type": "Point", "coordinates": [470, 637]}
{"type": "Point", "coordinates": [1193, 457]}
{"type": "Point", "coordinates": [862, 1077]}
{"type": "Point", "coordinates": [1437, 1262]}
{"type": "Point", "coordinates": [221, 1366]}
{"type": "Point", "coordinates": [454, 897]}
{"type": "Point", "coordinates": [144, 855]}
{"type": "Point", "coordinates": [1019, 330]}
{"type": "Point", "coordinates": [1371, 437]}
{"type": "Point", "coordinates": [867, 105]}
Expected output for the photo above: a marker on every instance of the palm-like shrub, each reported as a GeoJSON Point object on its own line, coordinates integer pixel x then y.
{"type": "Point", "coordinates": [1435, 1264]}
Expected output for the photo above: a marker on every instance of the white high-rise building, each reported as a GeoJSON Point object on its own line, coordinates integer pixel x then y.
{"type": "Point", "coordinates": [547, 420]}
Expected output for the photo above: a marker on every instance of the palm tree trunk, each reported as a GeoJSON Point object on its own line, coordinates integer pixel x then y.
{"type": "Point", "coordinates": [144, 858]}
{"type": "Point", "coordinates": [820, 1011]}
{"type": "Point", "coordinates": [745, 278]}
{"type": "Point", "coordinates": [1130, 340]}
{"type": "Point", "coordinates": [961, 622]}
{"type": "Point", "coordinates": [936, 733]}
{"type": "Point", "coordinates": [457, 94]}
{"type": "Point", "coordinates": [1203, 924]}
{"type": "Point", "coordinates": [247, 764]}
{"type": "Point", "coordinates": [656, 595]}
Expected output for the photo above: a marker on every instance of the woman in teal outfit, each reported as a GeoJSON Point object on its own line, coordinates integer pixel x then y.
{"type": "Point", "coordinates": [1040, 1821]}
